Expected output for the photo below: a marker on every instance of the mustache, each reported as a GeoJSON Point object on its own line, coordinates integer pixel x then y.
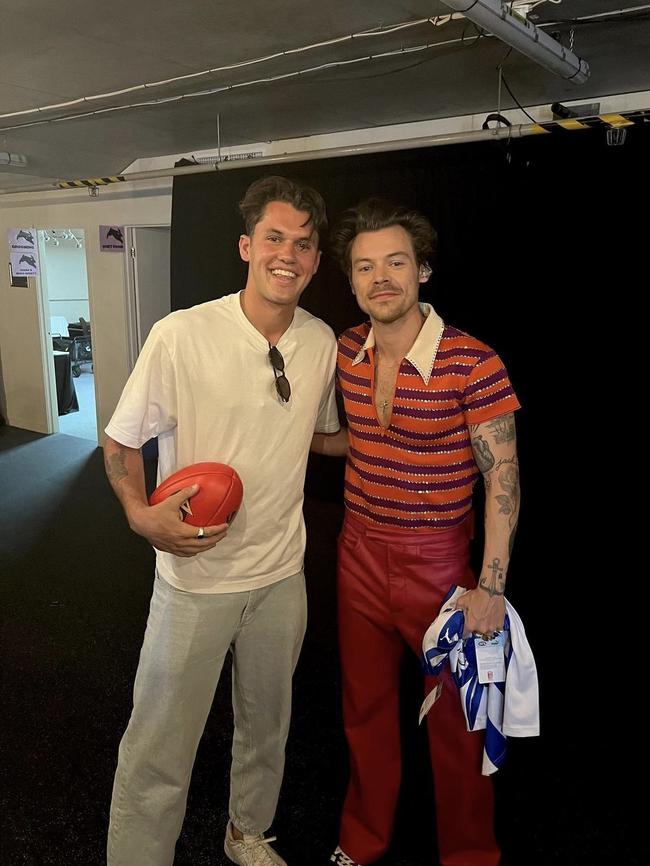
{"type": "Point", "coordinates": [383, 290]}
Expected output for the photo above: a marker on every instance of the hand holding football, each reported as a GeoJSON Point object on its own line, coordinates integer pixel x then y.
{"type": "Point", "coordinates": [217, 500]}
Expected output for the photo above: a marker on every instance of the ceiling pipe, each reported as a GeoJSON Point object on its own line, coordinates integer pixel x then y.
{"type": "Point", "coordinates": [518, 131]}
{"type": "Point", "coordinates": [522, 34]}
{"type": "Point", "coordinates": [484, 134]}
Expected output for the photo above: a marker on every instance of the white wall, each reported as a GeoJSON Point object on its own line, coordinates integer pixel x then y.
{"type": "Point", "coordinates": [126, 204]}
{"type": "Point", "coordinates": [63, 273]}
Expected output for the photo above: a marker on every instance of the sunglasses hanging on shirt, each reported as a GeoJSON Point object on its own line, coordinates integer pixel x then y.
{"type": "Point", "coordinates": [282, 385]}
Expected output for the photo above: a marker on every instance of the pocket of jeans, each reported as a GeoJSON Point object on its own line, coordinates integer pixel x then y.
{"type": "Point", "coordinates": [349, 541]}
{"type": "Point", "coordinates": [433, 553]}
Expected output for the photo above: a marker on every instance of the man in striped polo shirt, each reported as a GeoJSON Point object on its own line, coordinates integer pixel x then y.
{"type": "Point", "coordinates": [429, 409]}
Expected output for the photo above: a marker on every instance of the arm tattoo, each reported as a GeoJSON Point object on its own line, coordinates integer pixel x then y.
{"type": "Point", "coordinates": [482, 454]}
{"type": "Point", "coordinates": [508, 477]}
{"type": "Point", "coordinates": [116, 467]}
{"type": "Point", "coordinates": [503, 428]}
{"type": "Point", "coordinates": [493, 584]}
{"type": "Point", "coordinates": [505, 474]}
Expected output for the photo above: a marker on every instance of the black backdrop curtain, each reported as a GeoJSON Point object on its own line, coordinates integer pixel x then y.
{"type": "Point", "coordinates": [538, 246]}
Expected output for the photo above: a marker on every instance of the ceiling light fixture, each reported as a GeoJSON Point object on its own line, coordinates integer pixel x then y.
{"type": "Point", "coordinates": [518, 31]}
{"type": "Point", "coordinates": [14, 160]}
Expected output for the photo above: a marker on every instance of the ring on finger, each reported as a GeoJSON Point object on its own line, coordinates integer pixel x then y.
{"type": "Point", "coordinates": [201, 532]}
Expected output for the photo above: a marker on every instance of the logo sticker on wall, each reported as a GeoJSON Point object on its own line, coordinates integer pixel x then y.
{"type": "Point", "coordinates": [23, 252]}
{"type": "Point", "coordinates": [111, 239]}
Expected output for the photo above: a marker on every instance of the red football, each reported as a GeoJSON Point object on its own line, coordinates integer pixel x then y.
{"type": "Point", "coordinates": [217, 500]}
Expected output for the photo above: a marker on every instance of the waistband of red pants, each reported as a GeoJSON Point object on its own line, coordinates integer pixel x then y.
{"type": "Point", "coordinates": [390, 535]}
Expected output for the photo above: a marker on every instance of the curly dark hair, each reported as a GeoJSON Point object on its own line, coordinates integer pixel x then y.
{"type": "Point", "coordinates": [374, 214]}
{"type": "Point", "coordinates": [277, 188]}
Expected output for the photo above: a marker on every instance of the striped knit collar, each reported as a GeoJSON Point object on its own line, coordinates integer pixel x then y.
{"type": "Point", "coordinates": [422, 353]}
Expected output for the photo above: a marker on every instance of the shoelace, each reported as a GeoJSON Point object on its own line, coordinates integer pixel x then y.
{"type": "Point", "coordinates": [256, 847]}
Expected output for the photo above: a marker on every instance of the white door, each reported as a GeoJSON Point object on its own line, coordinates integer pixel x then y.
{"type": "Point", "coordinates": [27, 358]}
{"type": "Point", "coordinates": [150, 278]}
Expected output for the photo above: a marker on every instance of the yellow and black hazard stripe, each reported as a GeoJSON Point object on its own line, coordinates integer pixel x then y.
{"type": "Point", "coordinates": [600, 121]}
{"type": "Point", "coordinates": [91, 181]}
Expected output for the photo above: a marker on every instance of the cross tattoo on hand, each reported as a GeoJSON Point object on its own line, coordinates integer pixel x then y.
{"type": "Point", "coordinates": [497, 570]}
{"type": "Point", "coordinates": [495, 567]}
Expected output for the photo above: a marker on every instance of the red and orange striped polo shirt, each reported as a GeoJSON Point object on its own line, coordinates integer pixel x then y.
{"type": "Point", "coordinates": [419, 472]}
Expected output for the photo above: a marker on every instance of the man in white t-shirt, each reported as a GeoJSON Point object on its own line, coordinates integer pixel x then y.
{"type": "Point", "coordinates": [245, 380]}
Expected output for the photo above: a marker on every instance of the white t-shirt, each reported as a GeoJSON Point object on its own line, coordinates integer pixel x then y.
{"type": "Point", "coordinates": [204, 385]}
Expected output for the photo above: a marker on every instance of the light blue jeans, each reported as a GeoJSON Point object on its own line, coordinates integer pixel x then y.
{"type": "Point", "coordinates": [185, 643]}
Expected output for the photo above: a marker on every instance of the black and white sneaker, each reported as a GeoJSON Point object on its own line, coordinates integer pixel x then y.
{"type": "Point", "coordinates": [340, 858]}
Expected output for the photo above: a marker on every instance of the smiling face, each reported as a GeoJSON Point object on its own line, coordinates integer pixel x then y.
{"type": "Point", "coordinates": [282, 255]}
{"type": "Point", "coordinates": [384, 274]}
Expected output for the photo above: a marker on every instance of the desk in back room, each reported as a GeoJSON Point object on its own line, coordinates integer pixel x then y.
{"type": "Point", "coordinates": [66, 395]}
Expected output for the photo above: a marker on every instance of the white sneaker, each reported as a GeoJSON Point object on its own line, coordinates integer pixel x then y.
{"type": "Point", "coordinates": [251, 850]}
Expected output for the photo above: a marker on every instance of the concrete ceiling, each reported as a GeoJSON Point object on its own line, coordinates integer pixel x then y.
{"type": "Point", "coordinates": [57, 52]}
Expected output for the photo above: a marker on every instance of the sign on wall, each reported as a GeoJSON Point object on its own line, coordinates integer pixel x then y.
{"type": "Point", "coordinates": [23, 252]}
{"type": "Point", "coordinates": [111, 239]}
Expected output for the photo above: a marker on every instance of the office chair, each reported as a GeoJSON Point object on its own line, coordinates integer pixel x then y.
{"type": "Point", "coordinates": [81, 351]}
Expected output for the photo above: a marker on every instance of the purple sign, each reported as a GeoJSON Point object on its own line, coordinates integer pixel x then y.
{"type": "Point", "coordinates": [111, 239]}
{"type": "Point", "coordinates": [23, 251]}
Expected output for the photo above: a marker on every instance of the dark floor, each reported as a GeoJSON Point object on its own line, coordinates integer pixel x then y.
{"type": "Point", "coordinates": [75, 584]}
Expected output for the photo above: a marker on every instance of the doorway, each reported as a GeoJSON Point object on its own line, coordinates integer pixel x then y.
{"type": "Point", "coordinates": [64, 284]}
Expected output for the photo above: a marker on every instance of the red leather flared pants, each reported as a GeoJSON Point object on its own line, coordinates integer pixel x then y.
{"type": "Point", "coordinates": [390, 588]}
